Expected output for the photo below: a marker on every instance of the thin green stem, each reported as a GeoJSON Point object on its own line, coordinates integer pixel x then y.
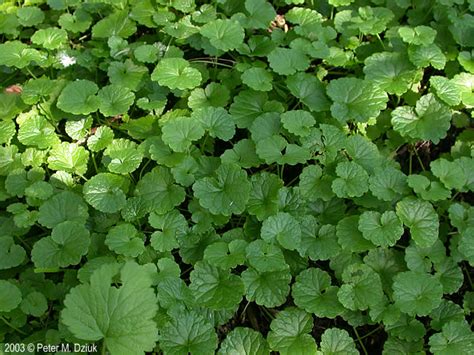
{"type": "Point", "coordinates": [12, 326]}
{"type": "Point", "coordinates": [213, 63]}
{"type": "Point", "coordinates": [419, 160]}
{"type": "Point", "coordinates": [104, 348]}
{"type": "Point", "coordinates": [410, 163]}
{"type": "Point", "coordinates": [468, 277]}
{"type": "Point", "coordinates": [360, 341]}
{"type": "Point", "coordinates": [95, 164]}
{"type": "Point", "coordinates": [371, 332]}
{"type": "Point", "coordinates": [30, 72]}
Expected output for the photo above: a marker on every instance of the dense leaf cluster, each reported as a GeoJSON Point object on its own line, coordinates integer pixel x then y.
{"type": "Point", "coordinates": [239, 177]}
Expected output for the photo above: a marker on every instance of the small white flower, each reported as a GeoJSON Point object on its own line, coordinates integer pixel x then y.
{"type": "Point", "coordinates": [66, 60]}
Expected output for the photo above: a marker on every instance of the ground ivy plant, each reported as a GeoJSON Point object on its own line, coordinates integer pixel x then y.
{"type": "Point", "coordinates": [237, 176]}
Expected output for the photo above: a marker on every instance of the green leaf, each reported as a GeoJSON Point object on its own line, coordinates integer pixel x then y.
{"type": "Point", "coordinates": [260, 13]}
{"type": "Point", "coordinates": [146, 53]}
{"type": "Point", "coordinates": [215, 95]}
{"type": "Point", "coordinates": [416, 293]}
{"type": "Point", "coordinates": [225, 194]}
{"type": "Point", "coordinates": [263, 199]}
{"type": "Point", "coordinates": [466, 59]}
{"type": "Point", "coordinates": [426, 189]}
{"type": "Point", "coordinates": [356, 99]}
{"type": "Point", "coordinates": [105, 192]}
{"type": "Point", "coordinates": [419, 35]}
{"type": "Point", "coordinates": [265, 257]}
{"type": "Point", "coordinates": [215, 288]}
{"type": "Point", "coordinates": [283, 228]}
{"type": "Point", "coordinates": [298, 122]}
{"type": "Point", "coordinates": [179, 132]}
{"type": "Point", "coordinates": [101, 139]}
{"type": "Point", "coordinates": [123, 320]}
{"type": "Point", "coordinates": [65, 206]}
{"type": "Point", "coordinates": [30, 16]}
{"type": "Point", "coordinates": [450, 173]}
{"type": "Point", "coordinates": [77, 22]}
{"type": "Point", "coordinates": [391, 71]}
{"type": "Point", "coordinates": [336, 341]}
{"type": "Point", "coordinates": [10, 296]}
{"type": "Point", "coordinates": [226, 255]}
{"type": "Point", "coordinates": [446, 90]}
{"type": "Point", "coordinates": [11, 254]}
{"type": "Point", "coordinates": [289, 332]}
{"type": "Point", "coordinates": [37, 131]}
{"type": "Point", "coordinates": [352, 180]}
{"type": "Point", "coordinates": [362, 288]}
{"type": "Point", "coordinates": [158, 190]}
{"type": "Point", "coordinates": [69, 241]}
{"type": "Point", "coordinates": [381, 229]}
{"type": "Point", "coordinates": [430, 120]}
{"type": "Point", "coordinates": [424, 56]}
{"type": "Point", "coordinates": [69, 157]}
{"type": "Point", "coordinates": [217, 121]}
{"type": "Point", "coordinates": [116, 24]}
{"type": "Point", "coordinates": [349, 236]}
{"type": "Point", "coordinates": [34, 304]}
{"type": "Point", "coordinates": [115, 100]}
{"type": "Point", "coordinates": [188, 332]}
{"type": "Point", "coordinates": [122, 156]}
{"type": "Point", "coordinates": [258, 79]}
{"type": "Point", "coordinates": [19, 55]}
{"type": "Point", "coordinates": [50, 38]}
{"type": "Point", "coordinates": [286, 61]}
{"type": "Point", "coordinates": [313, 292]}
{"type": "Point", "coordinates": [78, 129]}
{"type": "Point", "coordinates": [422, 220]}
{"type": "Point", "coordinates": [309, 90]}
{"type": "Point", "coordinates": [124, 239]}
{"type": "Point", "coordinates": [244, 341]}
{"type": "Point", "coordinates": [269, 289]}
{"type": "Point", "coordinates": [225, 34]}
{"type": "Point", "coordinates": [126, 74]}
{"type": "Point", "coordinates": [176, 73]}
{"type": "Point", "coordinates": [456, 337]}
{"type": "Point", "coordinates": [79, 97]}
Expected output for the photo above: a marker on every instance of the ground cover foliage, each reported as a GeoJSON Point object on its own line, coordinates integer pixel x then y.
{"type": "Point", "coordinates": [206, 176]}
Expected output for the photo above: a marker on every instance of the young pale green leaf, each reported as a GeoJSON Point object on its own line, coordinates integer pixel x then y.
{"type": "Point", "coordinates": [50, 38]}
{"type": "Point", "coordinates": [430, 120]}
{"type": "Point", "coordinates": [289, 332]}
{"type": "Point", "coordinates": [122, 156]}
{"type": "Point", "coordinates": [446, 90]}
{"type": "Point", "coordinates": [426, 55]}
{"type": "Point", "coordinates": [10, 296]}
{"type": "Point", "coordinates": [176, 73]}
{"type": "Point", "coordinates": [381, 229]}
{"type": "Point", "coordinates": [243, 340]}
{"type": "Point", "coordinates": [225, 34]}
{"type": "Point", "coordinates": [422, 220]}
{"type": "Point", "coordinates": [355, 99]}
{"type": "Point", "coordinates": [101, 139]}
{"type": "Point", "coordinates": [419, 35]}
{"type": "Point", "coordinates": [416, 293]}
{"type": "Point", "coordinates": [227, 193]}
{"type": "Point", "coordinates": [69, 157]}
{"type": "Point", "coordinates": [313, 292]}
{"type": "Point", "coordinates": [68, 242]}
{"type": "Point", "coordinates": [30, 16]}
{"type": "Point", "coordinates": [37, 131]}
{"type": "Point", "coordinates": [19, 55]}
{"type": "Point", "coordinates": [122, 317]}
{"type": "Point", "coordinates": [79, 97]}
{"type": "Point", "coordinates": [79, 129]}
